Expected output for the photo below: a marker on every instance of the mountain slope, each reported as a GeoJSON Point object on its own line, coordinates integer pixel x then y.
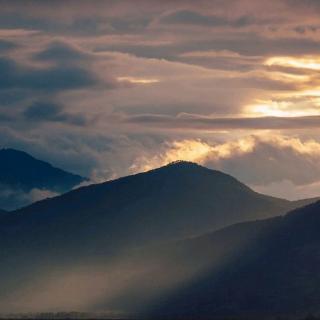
{"type": "Point", "coordinates": [175, 201]}
{"type": "Point", "coordinates": [20, 174]}
{"type": "Point", "coordinates": [101, 247]}
{"type": "Point", "coordinates": [264, 268]}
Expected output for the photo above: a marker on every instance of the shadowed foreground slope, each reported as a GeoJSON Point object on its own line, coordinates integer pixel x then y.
{"type": "Point", "coordinates": [266, 268]}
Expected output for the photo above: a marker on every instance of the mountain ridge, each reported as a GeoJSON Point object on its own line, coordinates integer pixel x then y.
{"type": "Point", "coordinates": [132, 231]}
{"type": "Point", "coordinates": [172, 202]}
{"type": "Point", "coordinates": [22, 174]}
{"type": "Point", "coordinates": [176, 166]}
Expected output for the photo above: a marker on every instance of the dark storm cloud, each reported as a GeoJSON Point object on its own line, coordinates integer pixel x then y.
{"type": "Point", "coordinates": [16, 76]}
{"type": "Point", "coordinates": [45, 111]}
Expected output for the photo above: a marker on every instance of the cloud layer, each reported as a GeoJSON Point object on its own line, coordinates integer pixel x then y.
{"type": "Point", "coordinates": [110, 87]}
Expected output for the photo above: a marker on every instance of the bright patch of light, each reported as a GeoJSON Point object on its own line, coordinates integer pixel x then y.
{"type": "Point", "coordinates": [307, 62]}
{"type": "Point", "coordinates": [279, 109]}
{"type": "Point", "coordinates": [285, 77]}
{"type": "Point", "coordinates": [310, 93]}
{"type": "Point", "coordinates": [195, 151]}
{"type": "Point", "coordinates": [137, 80]}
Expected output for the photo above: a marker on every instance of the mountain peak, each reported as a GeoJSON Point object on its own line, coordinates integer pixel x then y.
{"type": "Point", "coordinates": [12, 151]}
{"type": "Point", "coordinates": [182, 163]}
{"type": "Point", "coordinates": [185, 168]}
{"type": "Point", "coordinates": [191, 168]}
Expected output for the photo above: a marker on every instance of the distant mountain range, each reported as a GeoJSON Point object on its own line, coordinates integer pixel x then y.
{"type": "Point", "coordinates": [20, 174]}
{"type": "Point", "coordinates": [146, 244]}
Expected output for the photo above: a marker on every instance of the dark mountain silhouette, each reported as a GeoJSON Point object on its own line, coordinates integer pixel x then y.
{"type": "Point", "coordinates": [116, 231]}
{"type": "Point", "coordinates": [19, 169]}
{"type": "Point", "coordinates": [20, 173]}
{"type": "Point", "coordinates": [179, 200]}
{"type": "Point", "coordinates": [257, 269]}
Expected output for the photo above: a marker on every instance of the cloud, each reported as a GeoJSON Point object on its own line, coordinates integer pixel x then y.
{"type": "Point", "coordinates": [221, 60]}
{"type": "Point", "coordinates": [62, 52]}
{"type": "Point", "coordinates": [273, 159]}
{"type": "Point", "coordinates": [45, 111]}
{"type": "Point", "coordinates": [93, 86]}
{"type": "Point", "coordinates": [288, 190]}
{"type": "Point", "coordinates": [195, 122]}
{"type": "Point", "coordinates": [255, 160]}
{"type": "Point", "coordinates": [14, 75]}
{"type": "Point", "coordinates": [188, 150]}
{"type": "Point", "coordinates": [14, 198]}
{"type": "Point", "coordinates": [6, 45]}
{"type": "Point", "coordinates": [195, 18]}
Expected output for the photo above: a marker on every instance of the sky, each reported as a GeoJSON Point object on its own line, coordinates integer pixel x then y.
{"type": "Point", "coordinates": [110, 88]}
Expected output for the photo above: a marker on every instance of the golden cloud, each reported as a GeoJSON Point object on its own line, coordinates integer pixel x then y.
{"type": "Point", "coordinates": [202, 152]}
{"type": "Point", "coordinates": [305, 62]}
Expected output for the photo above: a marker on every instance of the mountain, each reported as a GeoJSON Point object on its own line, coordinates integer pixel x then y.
{"type": "Point", "coordinates": [179, 200]}
{"type": "Point", "coordinates": [113, 246]}
{"type": "Point", "coordinates": [262, 269]}
{"type": "Point", "coordinates": [22, 177]}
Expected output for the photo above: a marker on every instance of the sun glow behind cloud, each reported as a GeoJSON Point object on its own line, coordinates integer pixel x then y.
{"type": "Point", "coordinates": [195, 151]}
{"type": "Point", "coordinates": [203, 152]}
{"type": "Point", "coordinates": [307, 62]}
{"type": "Point", "coordinates": [280, 109]}
{"type": "Point", "coordinates": [240, 155]}
{"type": "Point", "coordinates": [300, 100]}
{"type": "Point", "coordinates": [188, 150]}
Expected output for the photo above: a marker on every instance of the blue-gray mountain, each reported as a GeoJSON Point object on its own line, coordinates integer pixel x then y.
{"type": "Point", "coordinates": [20, 174]}
{"type": "Point", "coordinates": [117, 244]}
